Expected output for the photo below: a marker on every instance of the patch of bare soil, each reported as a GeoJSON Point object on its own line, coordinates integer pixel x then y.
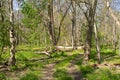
{"type": "Point", "coordinates": [15, 75]}
{"type": "Point", "coordinates": [73, 70]}
{"type": "Point", "coordinates": [48, 72]}
{"type": "Point", "coordinates": [12, 75]}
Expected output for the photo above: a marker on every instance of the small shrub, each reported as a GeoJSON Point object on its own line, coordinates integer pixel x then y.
{"type": "Point", "coordinates": [86, 69]}
{"type": "Point", "coordinates": [2, 76]}
{"type": "Point", "coordinates": [29, 76]}
{"type": "Point", "coordinates": [79, 62]}
{"type": "Point", "coordinates": [13, 68]}
{"type": "Point", "coordinates": [61, 74]}
{"type": "Point", "coordinates": [63, 54]}
{"type": "Point", "coordinates": [100, 75]}
{"type": "Point", "coordinates": [115, 76]}
{"type": "Point", "coordinates": [64, 63]}
{"type": "Point", "coordinates": [104, 74]}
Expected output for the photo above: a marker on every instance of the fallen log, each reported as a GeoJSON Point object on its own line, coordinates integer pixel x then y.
{"type": "Point", "coordinates": [46, 52]}
{"type": "Point", "coordinates": [58, 48]}
{"type": "Point", "coordinates": [68, 47]}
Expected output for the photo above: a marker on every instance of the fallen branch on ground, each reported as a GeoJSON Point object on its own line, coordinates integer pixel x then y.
{"type": "Point", "coordinates": [68, 47]}
{"type": "Point", "coordinates": [58, 48]}
{"type": "Point", "coordinates": [44, 52]}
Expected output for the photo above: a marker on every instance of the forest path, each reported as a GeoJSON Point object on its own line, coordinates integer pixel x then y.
{"type": "Point", "coordinates": [48, 72]}
{"type": "Point", "coordinates": [72, 70]}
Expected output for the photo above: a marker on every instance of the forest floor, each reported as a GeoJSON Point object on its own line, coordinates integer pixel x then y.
{"type": "Point", "coordinates": [62, 66]}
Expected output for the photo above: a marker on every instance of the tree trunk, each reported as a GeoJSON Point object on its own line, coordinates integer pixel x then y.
{"type": "Point", "coordinates": [2, 20]}
{"type": "Point", "coordinates": [119, 41]}
{"type": "Point", "coordinates": [51, 23]}
{"type": "Point", "coordinates": [74, 45]}
{"type": "Point", "coordinates": [12, 59]}
{"type": "Point", "coordinates": [115, 19]}
{"type": "Point", "coordinates": [87, 48]}
{"type": "Point", "coordinates": [114, 38]}
{"type": "Point", "coordinates": [97, 43]}
{"type": "Point", "coordinates": [90, 19]}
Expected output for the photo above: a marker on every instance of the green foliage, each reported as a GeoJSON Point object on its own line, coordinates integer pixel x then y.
{"type": "Point", "coordinates": [28, 10]}
{"type": "Point", "coordinates": [85, 69]}
{"type": "Point", "coordinates": [29, 76]}
{"type": "Point", "coordinates": [79, 62]}
{"type": "Point", "coordinates": [105, 53]}
{"type": "Point", "coordinates": [26, 55]}
{"type": "Point", "coordinates": [63, 63]}
{"type": "Point", "coordinates": [4, 37]}
{"type": "Point", "coordinates": [6, 55]}
{"type": "Point", "coordinates": [103, 74]}
{"type": "Point", "coordinates": [2, 76]}
{"type": "Point", "coordinates": [13, 68]}
{"type": "Point", "coordinates": [59, 54]}
{"type": "Point", "coordinates": [31, 17]}
{"type": "Point", "coordinates": [61, 74]}
{"type": "Point", "coordinates": [83, 31]}
{"type": "Point", "coordinates": [24, 59]}
{"type": "Point", "coordinates": [93, 54]}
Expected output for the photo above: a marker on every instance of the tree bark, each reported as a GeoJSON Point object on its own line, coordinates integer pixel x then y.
{"type": "Point", "coordinates": [114, 38]}
{"type": "Point", "coordinates": [12, 59]}
{"type": "Point", "coordinates": [51, 23]}
{"type": "Point", "coordinates": [74, 25]}
{"type": "Point", "coordinates": [90, 19]}
{"type": "Point", "coordinates": [2, 20]}
{"type": "Point", "coordinates": [115, 19]}
{"type": "Point", "coordinates": [54, 38]}
{"type": "Point", "coordinates": [88, 43]}
{"type": "Point", "coordinates": [97, 43]}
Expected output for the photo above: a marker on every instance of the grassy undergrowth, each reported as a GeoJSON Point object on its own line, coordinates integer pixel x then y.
{"type": "Point", "coordinates": [90, 73]}
{"type": "Point", "coordinates": [29, 76]}
{"type": "Point", "coordinates": [62, 74]}
{"type": "Point", "coordinates": [31, 65]}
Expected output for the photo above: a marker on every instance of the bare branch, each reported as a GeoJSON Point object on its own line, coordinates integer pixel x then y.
{"type": "Point", "coordinates": [62, 22]}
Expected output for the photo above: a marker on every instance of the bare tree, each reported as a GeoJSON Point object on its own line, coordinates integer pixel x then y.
{"type": "Point", "coordinates": [115, 36]}
{"type": "Point", "coordinates": [74, 24]}
{"type": "Point", "coordinates": [115, 19]}
{"type": "Point", "coordinates": [2, 20]}
{"type": "Point", "coordinates": [55, 37]}
{"type": "Point", "coordinates": [51, 22]}
{"type": "Point", "coordinates": [90, 18]}
{"type": "Point", "coordinates": [97, 42]}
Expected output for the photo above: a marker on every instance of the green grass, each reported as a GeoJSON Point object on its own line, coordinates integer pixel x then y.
{"type": "Point", "coordinates": [63, 63]}
{"type": "Point", "coordinates": [86, 69]}
{"type": "Point", "coordinates": [105, 53]}
{"type": "Point", "coordinates": [29, 76]}
{"type": "Point", "coordinates": [103, 74]}
{"type": "Point", "coordinates": [2, 76]}
{"type": "Point", "coordinates": [34, 64]}
{"type": "Point", "coordinates": [25, 55]}
{"type": "Point", "coordinates": [61, 74]}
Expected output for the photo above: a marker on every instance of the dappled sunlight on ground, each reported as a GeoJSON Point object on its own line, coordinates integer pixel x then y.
{"type": "Point", "coordinates": [62, 66]}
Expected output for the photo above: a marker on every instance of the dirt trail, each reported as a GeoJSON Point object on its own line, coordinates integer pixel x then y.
{"type": "Point", "coordinates": [74, 73]}
{"type": "Point", "coordinates": [48, 72]}
{"type": "Point", "coordinates": [72, 69]}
